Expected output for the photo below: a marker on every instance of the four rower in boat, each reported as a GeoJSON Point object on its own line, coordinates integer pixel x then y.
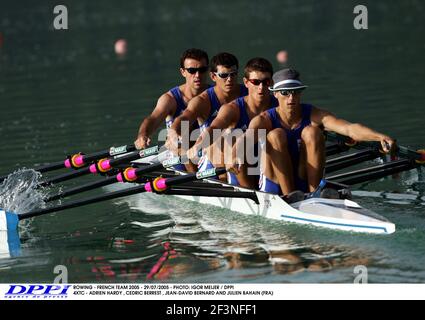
{"type": "Point", "coordinates": [237, 115]}
{"type": "Point", "coordinates": [293, 156]}
{"type": "Point", "coordinates": [193, 67]}
{"type": "Point", "coordinates": [204, 107]}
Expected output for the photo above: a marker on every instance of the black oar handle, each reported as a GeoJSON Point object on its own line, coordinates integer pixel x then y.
{"type": "Point", "coordinates": [105, 165]}
{"type": "Point", "coordinates": [132, 174]}
{"type": "Point", "coordinates": [79, 160]}
{"type": "Point", "coordinates": [102, 166]}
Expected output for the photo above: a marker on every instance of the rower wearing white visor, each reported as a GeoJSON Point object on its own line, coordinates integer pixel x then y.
{"type": "Point", "coordinates": [293, 157]}
{"type": "Point", "coordinates": [237, 115]}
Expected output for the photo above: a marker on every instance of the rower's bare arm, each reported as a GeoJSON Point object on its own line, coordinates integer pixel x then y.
{"type": "Point", "coordinates": [355, 131]}
{"type": "Point", "coordinates": [193, 111]}
{"type": "Point", "coordinates": [226, 118]}
{"type": "Point", "coordinates": [165, 106]}
{"type": "Point", "coordinates": [252, 134]}
{"type": "Point", "coordinates": [260, 122]}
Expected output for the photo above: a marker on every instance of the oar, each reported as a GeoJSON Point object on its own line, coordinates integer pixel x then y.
{"type": "Point", "coordinates": [129, 174]}
{"type": "Point", "coordinates": [79, 160]}
{"type": "Point", "coordinates": [102, 166]}
{"type": "Point", "coordinates": [418, 156]}
{"type": "Point", "coordinates": [9, 221]}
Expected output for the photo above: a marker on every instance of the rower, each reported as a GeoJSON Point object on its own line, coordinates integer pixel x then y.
{"type": "Point", "coordinates": [204, 108]}
{"type": "Point", "coordinates": [293, 156]}
{"type": "Point", "coordinates": [237, 115]}
{"type": "Point", "coordinates": [193, 67]}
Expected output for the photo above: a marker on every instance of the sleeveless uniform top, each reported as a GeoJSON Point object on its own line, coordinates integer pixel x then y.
{"type": "Point", "coordinates": [244, 120]}
{"type": "Point", "coordinates": [215, 105]}
{"type": "Point", "coordinates": [181, 105]}
{"type": "Point", "coordinates": [294, 140]}
{"type": "Point", "coordinates": [243, 124]}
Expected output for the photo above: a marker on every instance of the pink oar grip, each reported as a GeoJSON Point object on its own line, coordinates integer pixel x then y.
{"type": "Point", "coordinates": [161, 184]}
{"type": "Point", "coordinates": [93, 168]}
{"type": "Point", "coordinates": [148, 187]}
{"type": "Point", "coordinates": [67, 163]}
{"type": "Point", "coordinates": [131, 174]}
{"type": "Point", "coordinates": [79, 161]}
{"type": "Point", "coordinates": [105, 165]}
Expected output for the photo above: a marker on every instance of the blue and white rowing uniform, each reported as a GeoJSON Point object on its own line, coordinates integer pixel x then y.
{"type": "Point", "coordinates": [216, 105]}
{"type": "Point", "coordinates": [204, 162]}
{"type": "Point", "coordinates": [243, 123]}
{"type": "Point", "coordinates": [181, 106]}
{"type": "Point", "coordinates": [294, 140]}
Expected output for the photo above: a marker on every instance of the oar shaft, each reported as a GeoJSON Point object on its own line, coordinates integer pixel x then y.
{"type": "Point", "coordinates": [42, 169]}
{"type": "Point", "coordinates": [90, 200]}
{"type": "Point", "coordinates": [350, 160]}
{"type": "Point", "coordinates": [109, 153]}
{"type": "Point", "coordinates": [65, 177]}
{"type": "Point", "coordinates": [159, 184]}
{"type": "Point", "coordinates": [395, 163]}
{"type": "Point", "coordinates": [82, 159]}
{"type": "Point", "coordinates": [377, 174]}
{"type": "Point", "coordinates": [86, 187]}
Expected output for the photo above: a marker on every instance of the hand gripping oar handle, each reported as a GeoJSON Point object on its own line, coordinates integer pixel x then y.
{"type": "Point", "coordinates": [158, 185]}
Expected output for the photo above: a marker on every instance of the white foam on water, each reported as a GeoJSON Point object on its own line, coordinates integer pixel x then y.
{"type": "Point", "coordinates": [19, 193]}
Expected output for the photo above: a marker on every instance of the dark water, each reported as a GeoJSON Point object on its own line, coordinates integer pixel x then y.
{"type": "Point", "coordinates": [66, 91]}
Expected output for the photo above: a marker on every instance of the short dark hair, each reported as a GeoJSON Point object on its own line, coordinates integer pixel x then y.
{"type": "Point", "coordinates": [258, 64]}
{"type": "Point", "coordinates": [196, 54]}
{"type": "Point", "coordinates": [223, 59]}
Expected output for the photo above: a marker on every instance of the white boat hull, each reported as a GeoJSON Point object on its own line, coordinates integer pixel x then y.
{"type": "Point", "coordinates": [336, 214]}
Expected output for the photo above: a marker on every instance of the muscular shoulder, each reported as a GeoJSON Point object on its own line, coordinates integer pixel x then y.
{"type": "Point", "coordinates": [318, 115]}
{"type": "Point", "coordinates": [167, 99]}
{"type": "Point", "coordinates": [200, 103]}
{"type": "Point", "coordinates": [262, 121]}
{"type": "Point", "coordinates": [231, 107]}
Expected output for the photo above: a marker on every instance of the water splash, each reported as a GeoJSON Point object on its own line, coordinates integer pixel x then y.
{"type": "Point", "coordinates": [19, 192]}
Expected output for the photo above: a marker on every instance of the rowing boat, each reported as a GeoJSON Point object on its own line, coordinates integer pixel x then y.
{"type": "Point", "coordinates": [337, 214]}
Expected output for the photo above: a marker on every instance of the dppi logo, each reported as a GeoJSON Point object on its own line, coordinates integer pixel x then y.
{"type": "Point", "coordinates": [37, 291]}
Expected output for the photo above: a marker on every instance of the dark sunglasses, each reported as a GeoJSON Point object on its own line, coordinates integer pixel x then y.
{"type": "Point", "coordinates": [225, 75]}
{"type": "Point", "coordinates": [256, 82]}
{"type": "Point", "coordinates": [289, 92]}
{"type": "Point", "coordinates": [195, 70]}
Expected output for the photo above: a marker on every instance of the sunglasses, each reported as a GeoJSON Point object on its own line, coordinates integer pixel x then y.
{"type": "Point", "coordinates": [225, 75]}
{"type": "Point", "coordinates": [289, 92]}
{"type": "Point", "coordinates": [257, 82]}
{"type": "Point", "coordinates": [195, 70]}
